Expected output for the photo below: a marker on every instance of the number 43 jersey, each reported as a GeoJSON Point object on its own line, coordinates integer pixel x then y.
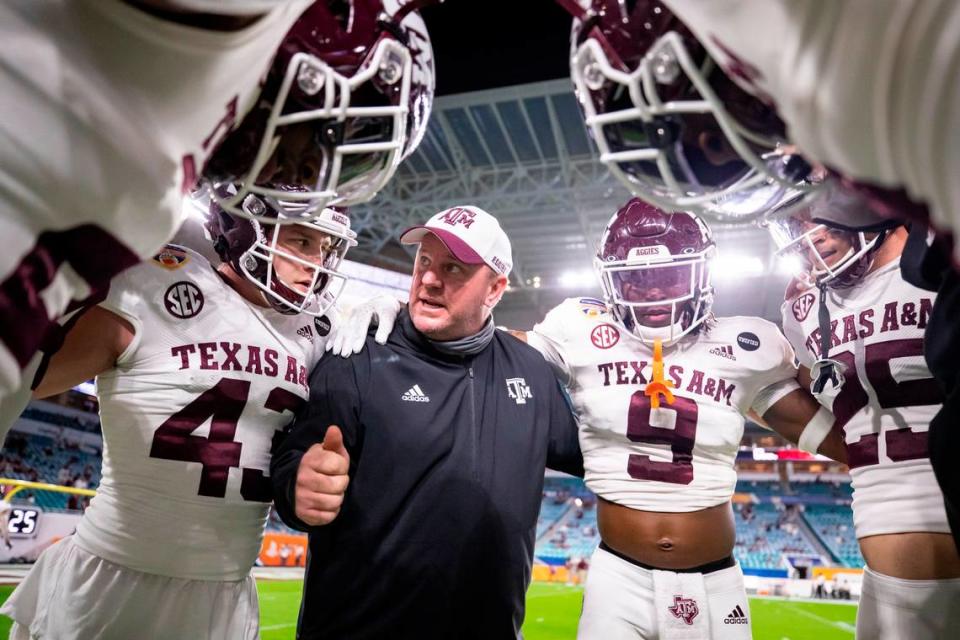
{"type": "Point", "coordinates": [189, 415]}
{"type": "Point", "coordinates": [679, 457]}
{"type": "Point", "coordinates": [887, 399]}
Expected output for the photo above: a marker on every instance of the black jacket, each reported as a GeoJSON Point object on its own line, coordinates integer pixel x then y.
{"type": "Point", "coordinates": [435, 538]}
{"type": "Point", "coordinates": [931, 267]}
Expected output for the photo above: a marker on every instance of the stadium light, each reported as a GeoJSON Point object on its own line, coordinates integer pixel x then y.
{"type": "Point", "coordinates": [736, 265]}
{"type": "Point", "coordinates": [790, 265]}
{"type": "Point", "coordinates": [192, 208]}
{"type": "Point", "coordinates": [576, 279]}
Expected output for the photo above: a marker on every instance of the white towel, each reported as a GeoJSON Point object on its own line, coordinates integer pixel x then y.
{"type": "Point", "coordinates": [681, 604]}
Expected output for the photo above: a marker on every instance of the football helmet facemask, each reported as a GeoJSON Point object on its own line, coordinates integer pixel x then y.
{"type": "Point", "coordinates": [826, 252]}
{"type": "Point", "coordinates": [252, 249]}
{"type": "Point", "coordinates": [668, 122]}
{"type": "Point", "coordinates": [654, 268]}
{"type": "Point", "coordinates": [346, 99]}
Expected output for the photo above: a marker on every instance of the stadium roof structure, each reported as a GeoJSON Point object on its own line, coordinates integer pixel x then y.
{"type": "Point", "coordinates": [522, 153]}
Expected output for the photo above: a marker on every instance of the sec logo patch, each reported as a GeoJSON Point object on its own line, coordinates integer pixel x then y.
{"type": "Point", "coordinates": [604, 336]}
{"type": "Point", "coordinates": [183, 300]}
{"type": "Point", "coordinates": [802, 305]}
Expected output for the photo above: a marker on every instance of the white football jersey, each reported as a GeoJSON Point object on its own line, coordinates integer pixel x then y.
{"type": "Point", "coordinates": [865, 86]}
{"type": "Point", "coordinates": [189, 415]}
{"type": "Point", "coordinates": [888, 397]}
{"type": "Point", "coordinates": [679, 457]}
{"type": "Point", "coordinates": [109, 113]}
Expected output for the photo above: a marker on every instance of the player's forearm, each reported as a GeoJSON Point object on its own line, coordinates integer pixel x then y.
{"type": "Point", "coordinates": [796, 413]}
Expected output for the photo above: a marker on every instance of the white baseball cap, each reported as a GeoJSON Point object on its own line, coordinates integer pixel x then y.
{"type": "Point", "coordinates": [471, 234]}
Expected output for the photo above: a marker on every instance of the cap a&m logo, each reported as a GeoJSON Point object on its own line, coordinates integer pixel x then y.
{"type": "Point", "coordinates": [459, 215]}
{"type": "Point", "coordinates": [684, 608]}
{"type": "Point", "coordinates": [802, 305]}
{"type": "Point", "coordinates": [604, 336]}
{"type": "Point", "coordinates": [183, 300]}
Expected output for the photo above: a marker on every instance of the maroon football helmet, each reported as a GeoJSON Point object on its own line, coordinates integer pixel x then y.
{"type": "Point", "coordinates": [655, 271]}
{"type": "Point", "coordinates": [346, 99]}
{"type": "Point", "coordinates": [668, 122]}
{"type": "Point", "coordinates": [249, 246]}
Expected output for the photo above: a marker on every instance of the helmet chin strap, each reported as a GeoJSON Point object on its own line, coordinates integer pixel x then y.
{"type": "Point", "coordinates": [829, 370]}
{"type": "Point", "coordinates": [827, 271]}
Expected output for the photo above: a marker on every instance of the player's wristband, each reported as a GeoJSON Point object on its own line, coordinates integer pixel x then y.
{"type": "Point", "coordinates": [816, 430]}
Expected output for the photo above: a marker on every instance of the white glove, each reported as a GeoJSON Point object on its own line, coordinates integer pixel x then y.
{"type": "Point", "coordinates": [350, 331]}
{"type": "Point", "coordinates": [832, 383]}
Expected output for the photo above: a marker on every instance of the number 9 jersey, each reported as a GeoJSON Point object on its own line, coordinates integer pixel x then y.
{"type": "Point", "coordinates": [189, 415]}
{"type": "Point", "coordinates": [887, 399]}
{"type": "Point", "coordinates": [685, 451]}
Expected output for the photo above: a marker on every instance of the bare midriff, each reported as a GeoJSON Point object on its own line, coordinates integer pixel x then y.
{"type": "Point", "coordinates": [668, 540]}
{"type": "Point", "coordinates": [912, 556]}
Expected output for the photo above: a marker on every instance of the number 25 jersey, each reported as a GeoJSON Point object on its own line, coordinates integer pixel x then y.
{"type": "Point", "coordinates": [680, 457]}
{"type": "Point", "coordinates": [189, 415]}
{"type": "Point", "coordinates": [887, 399]}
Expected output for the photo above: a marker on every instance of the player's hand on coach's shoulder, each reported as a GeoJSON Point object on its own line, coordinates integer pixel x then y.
{"type": "Point", "coordinates": [322, 480]}
{"type": "Point", "coordinates": [349, 332]}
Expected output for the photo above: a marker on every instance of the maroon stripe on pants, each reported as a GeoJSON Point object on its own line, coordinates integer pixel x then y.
{"type": "Point", "coordinates": [94, 254]}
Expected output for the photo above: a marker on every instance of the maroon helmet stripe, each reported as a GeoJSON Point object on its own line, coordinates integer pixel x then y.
{"type": "Point", "coordinates": [94, 254]}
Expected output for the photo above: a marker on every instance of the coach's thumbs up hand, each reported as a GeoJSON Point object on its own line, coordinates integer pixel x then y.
{"type": "Point", "coordinates": [322, 480]}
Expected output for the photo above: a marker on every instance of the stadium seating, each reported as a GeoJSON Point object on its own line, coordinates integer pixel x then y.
{"type": "Point", "coordinates": [833, 524]}
{"type": "Point", "coordinates": [765, 533]}
{"type": "Point", "coordinates": [759, 488]}
{"type": "Point", "coordinates": [567, 527]}
{"type": "Point", "coordinates": [550, 512]}
{"type": "Point", "coordinates": [763, 489]}
{"type": "Point", "coordinates": [574, 536]}
{"type": "Point", "coordinates": [38, 413]}
{"type": "Point", "coordinates": [42, 459]}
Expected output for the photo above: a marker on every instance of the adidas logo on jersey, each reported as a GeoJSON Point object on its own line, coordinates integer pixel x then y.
{"type": "Point", "coordinates": [415, 394]}
{"type": "Point", "coordinates": [737, 616]}
{"type": "Point", "coordinates": [725, 351]}
{"type": "Point", "coordinates": [305, 332]}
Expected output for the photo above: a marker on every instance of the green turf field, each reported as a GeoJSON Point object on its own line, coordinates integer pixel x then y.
{"type": "Point", "coordinates": [552, 612]}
